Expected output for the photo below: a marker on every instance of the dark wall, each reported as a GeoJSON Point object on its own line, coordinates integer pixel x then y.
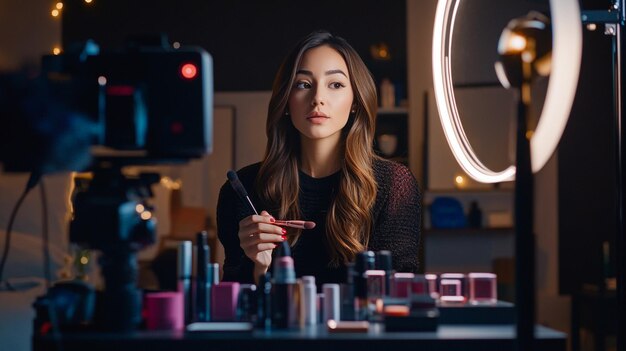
{"type": "Point", "coordinates": [587, 170]}
{"type": "Point", "coordinates": [247, 39]}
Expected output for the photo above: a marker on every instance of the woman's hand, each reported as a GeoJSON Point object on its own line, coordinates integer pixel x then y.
{"type": "Point", "coordinates": [258, 237]}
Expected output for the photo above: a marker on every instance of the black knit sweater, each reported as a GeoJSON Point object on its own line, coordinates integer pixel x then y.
{"type": "Point", "coordinates": [396, 222]}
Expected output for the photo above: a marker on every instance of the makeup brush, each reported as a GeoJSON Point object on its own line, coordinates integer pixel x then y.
{"type": "Point", "coordinates": [296, 224]}
{"type": "Point", "coordinates": [239, 189]}
{"type": "Point", "coordinates": [243, 195]}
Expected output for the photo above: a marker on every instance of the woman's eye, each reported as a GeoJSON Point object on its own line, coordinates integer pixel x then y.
{"type": "Point", "coordinates": [303, 85]}
{"type": "Point", "coordinates": [336, 85]}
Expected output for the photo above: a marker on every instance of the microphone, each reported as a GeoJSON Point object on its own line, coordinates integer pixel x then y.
{"type": "Point", "coordinates": [239, 189]}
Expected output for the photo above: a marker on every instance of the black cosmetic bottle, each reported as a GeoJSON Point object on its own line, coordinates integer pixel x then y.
{"type": "Point", "coordinates": [283, 289]}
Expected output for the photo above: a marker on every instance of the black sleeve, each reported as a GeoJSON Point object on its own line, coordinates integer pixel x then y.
{"type": "Point", "coordinates": [237, 266]}
{"type": "Point", "coordinates": [397, 226]}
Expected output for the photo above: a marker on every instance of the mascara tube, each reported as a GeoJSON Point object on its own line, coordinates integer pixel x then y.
{"type": "Point", "coordinates": [203, 279]}
{"type": "Point", "coordinates": [184, 278]}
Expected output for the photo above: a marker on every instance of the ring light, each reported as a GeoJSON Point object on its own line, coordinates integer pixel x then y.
{"type": "Point", "coordinates": [566, 57]}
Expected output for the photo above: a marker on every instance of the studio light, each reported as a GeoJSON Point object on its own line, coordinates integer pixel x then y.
{"type": "Point", "coordinates": [565, 57]}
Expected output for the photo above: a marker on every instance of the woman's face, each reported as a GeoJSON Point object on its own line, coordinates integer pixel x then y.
{"type": "Point", "coordinates": [321, 97]}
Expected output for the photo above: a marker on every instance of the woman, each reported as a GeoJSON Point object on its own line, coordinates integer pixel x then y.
{"type": "Point", "coordinates": [319, 166]}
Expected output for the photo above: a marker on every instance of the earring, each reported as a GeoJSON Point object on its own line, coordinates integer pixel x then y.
{"type": "Point", "coordinates": [286, 113]}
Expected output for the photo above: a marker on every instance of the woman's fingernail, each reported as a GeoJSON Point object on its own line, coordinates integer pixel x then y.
{"type": "Point", "coordinates": [284, 231]}
{"type": "Point", "coordinates": [272, 220]}
{"type": "Point", "coordinates": [283, 237]}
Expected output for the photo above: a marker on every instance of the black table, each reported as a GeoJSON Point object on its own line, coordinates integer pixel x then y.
{"type": "Point", "coordinates": [448, 337]}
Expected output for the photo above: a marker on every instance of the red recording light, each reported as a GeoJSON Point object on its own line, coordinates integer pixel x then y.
{"type": "Point", "coordinates": [176, 128]}
{"type": "Point", "coordinates": [189, 70]}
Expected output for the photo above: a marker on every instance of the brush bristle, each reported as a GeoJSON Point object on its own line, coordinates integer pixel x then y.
{"type": "Point", "coordinates": [232, 175]}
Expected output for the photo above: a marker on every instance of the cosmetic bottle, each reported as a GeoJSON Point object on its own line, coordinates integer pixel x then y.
{"type": "Point", "coordinates": [375, 294]}
{"type": "Point", "coordinates": [383, 263]}
{"type": "Point", "coordinates": [364, 262]}
{"type": "Point", "coordinates": [284, 310]}
{"type": "Point", "coordinates": [184, 278]}
{"type": "Point", "coordinates": [331, 303]}
{"type": "Point", "coordinates": [224, 297]}
{"type": "Point", "coordinates": [247, 303]}
{"type": "Point", "coordinates": [347, 294]}
{"type": "Point", "coordinates": [203, 279]}
{"type": "Point", "coordinates": [309, 300]}
{"type": "Point", "coordinates": [264, 301]}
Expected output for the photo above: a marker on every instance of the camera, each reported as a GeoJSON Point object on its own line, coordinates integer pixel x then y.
{"type": "Point", "coordinates": [138, 105]}
{"type": "Point", "coordinates": [86, 110]}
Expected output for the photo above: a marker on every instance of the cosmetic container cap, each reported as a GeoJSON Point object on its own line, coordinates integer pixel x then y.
{"type": "Point", "coordinates": [383, 260]}
{"type": "Point", "coordinates": [202, 258]}
{"type": "Point", "coordinates": [283, 250]}
{"type": "Point", "coordinates": [308, 280]}
{"type": "Point", "coordinates": [364, 261]}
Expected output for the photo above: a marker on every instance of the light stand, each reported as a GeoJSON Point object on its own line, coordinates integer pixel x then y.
{"type": "Point", "coordinates": [524, 235]}
{"type": "Point", "coordinates": [614, 22]}
{"type": "Point", "coordinates": [525, 53]}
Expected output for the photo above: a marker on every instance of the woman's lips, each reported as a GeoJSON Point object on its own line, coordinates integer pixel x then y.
{"type": "Point", "coordinates": [317, 117]}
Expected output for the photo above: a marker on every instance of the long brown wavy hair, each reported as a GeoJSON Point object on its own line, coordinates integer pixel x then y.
{"type": "Point", "coordinates": [349, 218]}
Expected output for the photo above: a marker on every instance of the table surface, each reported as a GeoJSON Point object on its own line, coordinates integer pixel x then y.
{"type": "Point", "coordinates": [447, 337]}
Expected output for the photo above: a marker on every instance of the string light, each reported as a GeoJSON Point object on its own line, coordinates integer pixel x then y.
{"type": "Point", "coordinates": [55, 13]}
{"type": "Point", "coordinates": [59, 5]}
{"type": "Point", "coordinates": [88, 1]}
{"type": "Point", "coordinates": [56, 50]}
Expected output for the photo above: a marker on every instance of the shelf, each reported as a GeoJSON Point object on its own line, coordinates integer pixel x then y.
{"type": "Point", "coordinates": [469, 231]}
{"type": "Point", "coordinates": [392, 110]}
{"type": "Point", "coordinates": [470, 191]}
